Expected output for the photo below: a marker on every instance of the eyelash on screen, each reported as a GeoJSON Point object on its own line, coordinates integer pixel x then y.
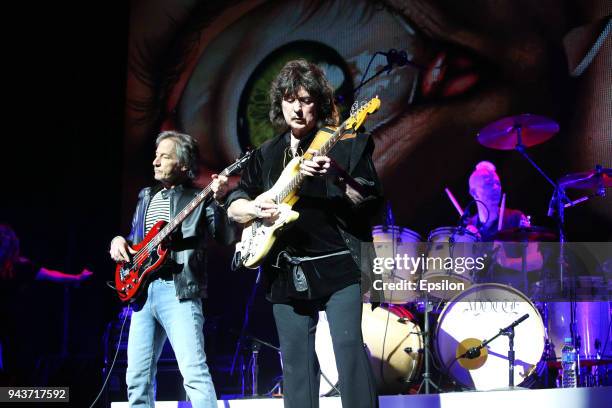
{"type": "Point", "coordinates": [171, 64]}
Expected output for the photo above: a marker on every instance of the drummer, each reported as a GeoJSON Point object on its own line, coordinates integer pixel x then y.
{"type": "Point", "coordinates": [485, 188]}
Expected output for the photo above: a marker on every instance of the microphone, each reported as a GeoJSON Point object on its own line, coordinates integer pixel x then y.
{"type": "Point", "coordinates": [398, 59]}
{"type": "Point", "coordinates": [395, 57]}
{"type": "Point", "coordinates": [472, 352]}
{"type": "Point", "coordinates": [518, 321]}
{"type": "Point", "coordinates": [467, 213]}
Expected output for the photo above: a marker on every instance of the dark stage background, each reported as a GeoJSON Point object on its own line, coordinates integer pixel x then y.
{"type": "Point", "coordinates": [83, 153]}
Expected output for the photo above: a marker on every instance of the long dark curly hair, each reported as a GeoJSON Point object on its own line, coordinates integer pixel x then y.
{"type": "Point", "coordinates": [295, 75]}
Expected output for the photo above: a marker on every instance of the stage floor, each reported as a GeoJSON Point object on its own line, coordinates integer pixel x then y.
{"type": "Point", "coordinates": [559, 398]}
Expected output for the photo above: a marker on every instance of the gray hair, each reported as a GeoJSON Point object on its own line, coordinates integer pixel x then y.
{"type": "Point", "coordinates": [187, 150]}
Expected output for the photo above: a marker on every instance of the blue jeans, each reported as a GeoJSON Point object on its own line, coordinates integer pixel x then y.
{"type": "Point", "coordinates": [164, 316]}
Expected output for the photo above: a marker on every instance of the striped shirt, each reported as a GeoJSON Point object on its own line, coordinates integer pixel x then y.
{"type": "Point", "coordinates": [159, 209]}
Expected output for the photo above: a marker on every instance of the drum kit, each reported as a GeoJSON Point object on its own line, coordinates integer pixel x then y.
{"type": "Point", "coordinates": [399, 347]}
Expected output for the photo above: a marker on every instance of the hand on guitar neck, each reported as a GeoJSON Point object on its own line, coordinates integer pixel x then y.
{"type": "Point", "coordinates": [313, 165]}
{"type": "Point", "coordinates": [352, 189]}
{"type": "Point", "coordinates": [326, 166]}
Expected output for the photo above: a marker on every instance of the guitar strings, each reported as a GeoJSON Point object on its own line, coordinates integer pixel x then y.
{"type": "Point", "coordinates": [142, 254]}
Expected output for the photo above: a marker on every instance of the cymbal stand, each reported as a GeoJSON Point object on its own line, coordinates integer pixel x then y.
{"type": "Point", "coordinates": [427, 381]}
{"type": "Point", "coordinates": [558, 203]}
{"type": "Point", "coordinates": [524, 267]}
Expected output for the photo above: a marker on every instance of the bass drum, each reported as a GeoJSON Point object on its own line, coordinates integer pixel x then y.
{"type": "Point", "coordinates": [477, 314]}
{"type": "Point", "coordinates": [393, 342]}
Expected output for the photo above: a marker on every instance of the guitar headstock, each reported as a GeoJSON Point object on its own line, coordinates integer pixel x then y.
{"type": "Point", "coordinates": [238, 165]}
{"type": "Point", "coordinates": [359, 112]}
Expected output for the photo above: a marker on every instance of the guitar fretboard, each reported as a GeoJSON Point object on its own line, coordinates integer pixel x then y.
{"type": "Point", "coordinates": [180, 217]}
{"type": "Point", "coordinates": [297, 180]}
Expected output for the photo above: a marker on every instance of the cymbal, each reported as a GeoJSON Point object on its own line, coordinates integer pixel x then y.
{"type": "Point", "coordinates": [503, 133]}
{"type": "Point", "coordinates": [588, 180]}
{"type": "Point", "coordinates": [522, 234]}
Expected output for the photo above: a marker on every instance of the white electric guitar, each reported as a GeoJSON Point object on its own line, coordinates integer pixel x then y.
{"type": "Point", "coordinates": [259, 236]}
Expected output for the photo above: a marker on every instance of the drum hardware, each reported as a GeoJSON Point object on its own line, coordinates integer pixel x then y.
{"type": "Point", "coordinates": [523, 236]}
{"type": "Point", "coordinates": [256, 344]}
{"type": "Point", "coordinates": [598, 179]}
{"type": "Point", "coordinates": [526, 234]}
{"type": "Point", "coordinates": [254, 364]}
{"type": "Point", "coordinates": [508, 331]}
{"type": "Point", "coordinates": [427, 381]}
{"type": "Point", "coordinates": [518, 133]}
{"type": "Point", "coordinates": [465, 321]}
{"type": "Point", "coordinates": [252, 368]}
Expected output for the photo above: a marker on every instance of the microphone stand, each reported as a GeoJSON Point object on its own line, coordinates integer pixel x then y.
{"type": "Point", "coordinates": [245, 324]}
{"type": "Point", "coordinates": [474, 352]}
{"type": "Point", "coordinates": [398, 58]}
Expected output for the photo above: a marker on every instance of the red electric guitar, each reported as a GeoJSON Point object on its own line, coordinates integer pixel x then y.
{"type": "Point", "coordinates": [132, 277]}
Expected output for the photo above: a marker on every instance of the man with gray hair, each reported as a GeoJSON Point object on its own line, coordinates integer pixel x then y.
{"type": "Point", "coordinates": [172, 304]}
{"type": "Point", "coordinates": [486, 190]}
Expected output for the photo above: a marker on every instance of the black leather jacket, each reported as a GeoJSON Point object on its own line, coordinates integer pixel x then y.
{"type": "Point", "coordinates": [188, 243]}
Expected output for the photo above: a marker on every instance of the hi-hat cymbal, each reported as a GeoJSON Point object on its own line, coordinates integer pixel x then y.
{"type": "Point", "coordinates": [524, 234]}
{"type": "Point", "coordinates": [588, 180]}
{"type": "Point", "coordinates": [503, 133]}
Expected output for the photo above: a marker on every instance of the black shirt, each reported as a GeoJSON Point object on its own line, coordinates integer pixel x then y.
{"type": "Point", "coordinates": [325, 215]}
{"type": "Point", "coordinates": [512, 219]}
{"type": "Point", "coordinates": [497, 273]}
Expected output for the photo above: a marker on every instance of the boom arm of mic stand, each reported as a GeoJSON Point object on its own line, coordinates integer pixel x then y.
{"type": "Point", "coordinates": [387, 68]}
{"type": "Point", "coordinates": [503, 331]}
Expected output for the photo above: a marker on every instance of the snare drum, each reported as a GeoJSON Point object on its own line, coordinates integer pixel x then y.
{"type": "Point", "coordinates": [479, 313]}
{"type": "Point", "coordinates": [393, 342]}
{"type": "Point", "coordinates": [449, 243]}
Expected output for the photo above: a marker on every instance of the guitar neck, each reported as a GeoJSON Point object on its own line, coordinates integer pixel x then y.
{"type": "Point", "coordinates": [297, 180]}
{"type": "Point", "coordinates": [180, 217]}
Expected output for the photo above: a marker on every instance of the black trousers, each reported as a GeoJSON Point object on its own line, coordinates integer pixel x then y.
{"type": "Point", "coordinates": [297, 323]}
